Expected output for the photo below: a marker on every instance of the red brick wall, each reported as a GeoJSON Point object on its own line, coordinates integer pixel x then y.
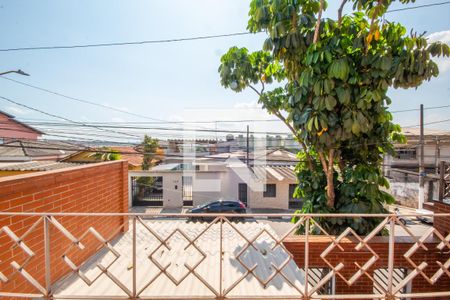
{"type": "Point", "coordinates": [442, 224]}
{"type": "Point", "coordinates": [99, 187]}
{"type": "Point", "coordinates": [380, 246]}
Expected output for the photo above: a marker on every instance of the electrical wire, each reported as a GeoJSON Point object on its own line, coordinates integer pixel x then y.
{"type": "Point", "coordinates": [418, 6]}
{"type": "Point", "coordinates": [162, 41]}
{"type": "Point", "coordinates": [80, 100]}
{"type": "Point", "coordinates": [62, 118]}
{"type": "Point", "coordinates": [177, 40]}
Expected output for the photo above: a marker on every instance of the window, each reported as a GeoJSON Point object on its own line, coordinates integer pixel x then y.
{"type": "Point", "coordinates": [270, 190]}
{"type": "Point", "coordinates": [406, 153]}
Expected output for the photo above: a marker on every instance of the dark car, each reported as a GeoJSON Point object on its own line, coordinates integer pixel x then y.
{"type": "Point", "coordinates": [218, 207]}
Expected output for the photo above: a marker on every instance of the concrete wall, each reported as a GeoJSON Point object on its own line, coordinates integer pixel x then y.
{"type": "Point", "coordinates": [405, 189]}
{"type": "Point", "coordinates": [98, 188]}
{"type": "Point", "coordinates": [281, 201]}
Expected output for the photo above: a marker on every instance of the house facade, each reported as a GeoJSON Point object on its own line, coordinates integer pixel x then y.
{"type": "Point", "coordinates": [14, 129]}
{"type": "Point", "coordinates": [436, 149]}
{"type": "Point", "coordinates": [178, 185]}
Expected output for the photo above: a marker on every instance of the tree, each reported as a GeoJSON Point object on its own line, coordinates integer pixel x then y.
{"type": "Point", "coordinates": [106, 154]}
{"type": "Point", "coordinates": [332, 80]}
{"type": "Point", "coordinates": [149, 149]}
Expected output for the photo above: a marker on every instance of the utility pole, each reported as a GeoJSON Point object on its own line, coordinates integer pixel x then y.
{"type": "Point", "coordinates": [248, 145]}
{"type": "Point", "coordinates": [421, 163]}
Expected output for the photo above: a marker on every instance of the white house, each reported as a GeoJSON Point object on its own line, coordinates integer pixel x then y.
{"type": "Point", "coordinates": [178, 185]}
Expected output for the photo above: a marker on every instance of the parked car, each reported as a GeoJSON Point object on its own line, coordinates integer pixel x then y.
{"type": "Point", "coordinates": [218, 207]}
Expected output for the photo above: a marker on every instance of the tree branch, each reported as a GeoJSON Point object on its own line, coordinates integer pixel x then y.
{"type": "Point", "coordinates": [341, 8]}
{"type": "Point", "coordinates": [262, 84]}
{"type": "Point", "coordinates": [254, 89]}
{"type": "Point", "coordinates": [319, 19]}
{"type": "Point", "coordinates": [323, 161]}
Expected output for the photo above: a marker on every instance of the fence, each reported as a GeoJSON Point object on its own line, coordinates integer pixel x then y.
{"type": "Point", "coordinates": [168, 256]}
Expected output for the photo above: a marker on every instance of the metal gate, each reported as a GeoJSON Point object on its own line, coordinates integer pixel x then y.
{"type": "Point", "coordinates": [444, 180]}
{"type": "Point", "coordinates": [147, 191]}
{"type": "Point", "coordinates": [187, 190]}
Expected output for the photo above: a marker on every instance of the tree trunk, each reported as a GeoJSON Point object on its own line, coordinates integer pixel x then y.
{"type": "Point", "coordinates": [330, 189]}
{"type": "Point", "coordinates": [329, 173]}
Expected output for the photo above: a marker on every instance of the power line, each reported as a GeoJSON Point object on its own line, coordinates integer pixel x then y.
{"type": "Point", "coordinates": [62, 118]}
{"type": "Point", "coordinates": [80, 100]}
{"type": "Point", "coordinates": [204, 37]}
{"type": "Point", "coordinates": [418, 6]}
{"type": "Point", "coordinates": [417, 109]}
{"type": "Point", "coordinates": [160, 121]}
{"type": "Point", "coordinates": [176, 40]}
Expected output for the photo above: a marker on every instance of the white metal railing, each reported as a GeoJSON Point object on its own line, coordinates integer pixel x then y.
{"type": "Point", "coordinates": [218, 259]}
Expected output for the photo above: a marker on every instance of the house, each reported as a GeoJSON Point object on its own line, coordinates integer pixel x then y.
{"type": "Point", "coordinates": [436, 149]}
{"type": "Point", "coordinates": [192, 184]}
{"type": "Point", "coordinates": [13, 129]}
{"type": "Point", "coordinates": [35, 150]}
{"type": "Point", "coordinates": [402, 169]}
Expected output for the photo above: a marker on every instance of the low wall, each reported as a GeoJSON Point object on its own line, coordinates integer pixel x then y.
{"type": "Point", "coordinates": [364, 285]}
{"type": "Point", "coordinates": [101, 187]}
{"type": "Point", "coordinates": [442, 224]}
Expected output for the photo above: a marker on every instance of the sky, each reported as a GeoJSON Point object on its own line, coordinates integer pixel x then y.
{"type": "Point", "coordinates": [171, 81]}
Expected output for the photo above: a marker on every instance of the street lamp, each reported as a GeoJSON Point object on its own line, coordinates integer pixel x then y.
{"type": "Point", "coordinates": [15, 71]}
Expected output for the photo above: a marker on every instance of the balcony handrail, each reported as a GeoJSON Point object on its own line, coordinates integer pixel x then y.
{"type": "Point", "coordinates": [184, 215]}
{"type": "Point", "coordinates": [218, 288]}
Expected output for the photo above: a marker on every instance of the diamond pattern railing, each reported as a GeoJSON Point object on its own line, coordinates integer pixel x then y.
{"type": "Point", "coordinates": [221, 259]}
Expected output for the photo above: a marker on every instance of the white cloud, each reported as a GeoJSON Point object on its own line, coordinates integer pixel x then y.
{"type": "Point", "coordinates": [441, 36]}
{"type": "Point", "coordinates": [14, 110]}
{"type": "Point", "coordinates": [247, 105]}
{"type": "Point", "coordinates": [117, 119]}
{"type": "Point", "coordinates": [443, 64]}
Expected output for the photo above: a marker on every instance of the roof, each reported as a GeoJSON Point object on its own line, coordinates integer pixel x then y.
{"type": "Point", "coordinates": [130, 154]}
{"type": "Point", "coordinates": [427, 132]}
{"type": "Point", "coordinates": [274, 173]}
{"type": "Point", "coordinates": [177, 256]}
{"type": "Point", "coordinates": [26, 149]}
{"type": "Point", "coordinates": [271, 155]}
{"type": "Point", "coordinates": [35, 166]}
{"type": "Point", "coordinates": [13, 118]}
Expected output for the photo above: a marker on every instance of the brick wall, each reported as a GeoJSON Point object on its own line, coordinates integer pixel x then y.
{"type": "Point", "coordinates": [349, 256]}
{"type": "Point", "coordinates": [101, 187]}
{"type": "Point", "coordinates": [442, 224]}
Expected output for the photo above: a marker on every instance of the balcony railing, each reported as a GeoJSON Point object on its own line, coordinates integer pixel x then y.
{"type": "Point", "coordinates": [248, 256]}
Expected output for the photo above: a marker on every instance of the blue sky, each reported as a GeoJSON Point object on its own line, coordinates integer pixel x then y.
{"type": "Point", "coordinates": [163, 81]}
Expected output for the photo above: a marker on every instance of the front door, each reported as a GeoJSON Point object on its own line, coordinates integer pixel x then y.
{"type": "Point", "coordinates": [243, 193]}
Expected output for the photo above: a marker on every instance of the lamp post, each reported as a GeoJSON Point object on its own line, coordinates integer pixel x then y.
{"type": "Point", "coordinates": [15, 71]}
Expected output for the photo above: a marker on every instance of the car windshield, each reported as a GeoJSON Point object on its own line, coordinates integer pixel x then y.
{"type": "Point", "coordinates": [205, 204]}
